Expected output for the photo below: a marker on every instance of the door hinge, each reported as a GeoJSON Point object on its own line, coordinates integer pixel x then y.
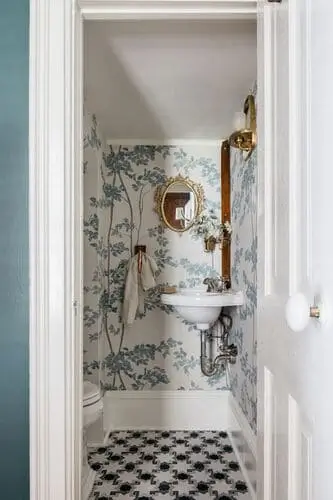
{"type": "Point", "coordinates": [76, 306]}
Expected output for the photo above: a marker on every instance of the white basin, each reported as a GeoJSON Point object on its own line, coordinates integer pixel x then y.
{"type": "Point", "coordinates": [201, 307]}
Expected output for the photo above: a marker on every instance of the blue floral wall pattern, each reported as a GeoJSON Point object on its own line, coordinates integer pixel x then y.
{"type": "Point", "coordinates": [160, 351]}
{"type": "Point", "coordinates": [244, 277]}
{"type": "Point", "coordinates": [94, 146]}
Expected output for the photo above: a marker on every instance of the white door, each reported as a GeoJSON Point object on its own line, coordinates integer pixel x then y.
{"type": "Point", "coordinates": [295, 250]}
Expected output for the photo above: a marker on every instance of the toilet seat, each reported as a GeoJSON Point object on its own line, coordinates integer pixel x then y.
{"type": "Point", "coordinates": [91, 394]}
{"type": "Point", "coordinates": [92, 412]}
{"type": "Point", "coordinates": [92, 403]}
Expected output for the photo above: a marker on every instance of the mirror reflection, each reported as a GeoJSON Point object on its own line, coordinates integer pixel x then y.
{"type": "Point", "coordinates": [179, 206]}
{"type": "Point", "coordinates": [179, 202]}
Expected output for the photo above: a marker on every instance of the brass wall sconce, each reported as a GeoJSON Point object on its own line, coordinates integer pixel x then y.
{"type": "Point", "coordinates": [245, 139]}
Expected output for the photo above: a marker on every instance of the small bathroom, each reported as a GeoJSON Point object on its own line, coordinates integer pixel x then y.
{"type": "Point", "coordinates": [170, 259]}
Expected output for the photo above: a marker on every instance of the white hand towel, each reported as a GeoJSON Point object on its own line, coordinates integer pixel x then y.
{"type": "Point", "coordinates": [137, 283]}
{"type": "Point", "coordinates": [148, 272]}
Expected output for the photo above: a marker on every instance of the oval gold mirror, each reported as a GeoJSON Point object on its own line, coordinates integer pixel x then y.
{"type": "Point", "coordinates": [179, 202]}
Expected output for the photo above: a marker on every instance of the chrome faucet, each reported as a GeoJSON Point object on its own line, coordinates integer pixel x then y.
{"type": "Point", "coordinates": [216, 284]}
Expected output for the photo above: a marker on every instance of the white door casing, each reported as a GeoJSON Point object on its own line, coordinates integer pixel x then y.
{"type": "Point", "coordinates": [295, 244]}
{"type": "Point", "coordinates": [55, 216]}
{"type": "Point", "coordinates": [55, 250]}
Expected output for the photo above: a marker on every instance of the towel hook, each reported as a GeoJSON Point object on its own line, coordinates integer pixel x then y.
{"type": "Point", "coordinates": [140, 249]}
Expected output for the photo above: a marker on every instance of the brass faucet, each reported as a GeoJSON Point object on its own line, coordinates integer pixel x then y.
{"type": "Point", "coordinates": [216, 284]}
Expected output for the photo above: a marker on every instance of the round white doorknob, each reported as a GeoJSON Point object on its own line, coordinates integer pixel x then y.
{"type": "Point", "coordinates": [297, 312]}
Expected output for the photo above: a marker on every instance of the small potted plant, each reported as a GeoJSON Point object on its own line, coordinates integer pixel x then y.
{"type": "Point", "coordinates": [211, 229]}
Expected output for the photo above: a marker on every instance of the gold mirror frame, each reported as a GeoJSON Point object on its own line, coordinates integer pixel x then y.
{"type": "Point", "coordinates": [161, 192]}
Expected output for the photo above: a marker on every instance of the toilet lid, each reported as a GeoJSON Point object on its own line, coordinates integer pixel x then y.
{"type": "Point", "coordinates": [91, 393]}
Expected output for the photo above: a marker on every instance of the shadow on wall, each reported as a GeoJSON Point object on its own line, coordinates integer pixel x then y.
{"type": "Point", "coordinates": [163, 79]}
{"type": "Point", "coordinates": [160, 351]}
{"type": "Point", "coordinates": [104, 66]}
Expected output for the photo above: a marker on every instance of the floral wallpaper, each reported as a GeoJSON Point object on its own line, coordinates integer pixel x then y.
{"type": "Point", "coordinates": [159, 351]}
{"type": "Point", "coordinates": [94, 146]}
{"type": "Point", "coordinates": [244, 277]}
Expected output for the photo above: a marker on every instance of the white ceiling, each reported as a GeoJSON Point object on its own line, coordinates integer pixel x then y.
{"type": "Point", "coordinates": [168, 80]}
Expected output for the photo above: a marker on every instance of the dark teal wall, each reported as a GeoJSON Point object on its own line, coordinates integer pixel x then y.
{"type": "Point", "coordinates": [14, 258]}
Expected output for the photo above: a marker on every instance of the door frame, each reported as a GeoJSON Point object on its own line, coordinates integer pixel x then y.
{"type": "Point", "coordinates": [55, 213]}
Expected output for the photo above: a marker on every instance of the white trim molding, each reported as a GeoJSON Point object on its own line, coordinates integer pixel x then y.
{"type": "Point", "coordinates": [55, 333]}
{"type": "Point", "coordinates": [169, 410]}
{"type": "Point", "coordinates": [55, 216]}
{"type": "Point", "coordinates": [88, 484]}
{"type": "Point", "coordinates": [169, 9]}
{"type": "Point", "coordinates": [244, 442]}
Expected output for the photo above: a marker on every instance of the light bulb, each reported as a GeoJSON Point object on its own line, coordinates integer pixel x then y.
{"type": "Point", "coordinates": [239, 121]}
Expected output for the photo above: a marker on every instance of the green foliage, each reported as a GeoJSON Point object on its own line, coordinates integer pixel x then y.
{"type": "Point", "coordinates": [206, 166]}
{"type": "Point", "coordinates": [89, 368]}
{"type": "Point", "coordinates": [90, 228]}
{"type": "Point", "coordinates": [112, 193]}
{"type": "Point", "coordinates": [184, 361]}
{"type": "Point", "coordinates": [135, 363]}
{"type": "Point", "coordinates": [90, 316]}
{"type": "Point", "coordinates": [123, 227]}
{"type": "Point", "coordinates": [92, 139]}
{"type": "Point", "coordinates": [128, 175]}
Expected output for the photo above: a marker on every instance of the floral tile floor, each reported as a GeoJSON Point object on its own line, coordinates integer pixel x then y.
{"type": "Point", "coordinates": [182, 465]}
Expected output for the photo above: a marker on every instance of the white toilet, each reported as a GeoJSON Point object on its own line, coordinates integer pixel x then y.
{"type": "Point", "coordinates": [92, 411]}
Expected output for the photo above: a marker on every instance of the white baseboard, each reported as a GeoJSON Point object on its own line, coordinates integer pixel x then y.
{"type": "Point", "coordinates": [242, 423]}
{"type": "Point", "coordinates": [244, 442]}
{"type": "Point", "coordinates": [88, 484]}
{"type": "Point", "coordinates": [104, 442]}
{"type": "Point", "coordinates": [170, 410]}
{"type": "Point", "coordinates": [185, 410]}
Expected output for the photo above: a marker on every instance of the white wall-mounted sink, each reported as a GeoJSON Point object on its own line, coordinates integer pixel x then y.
{"type": "Point", "coordinates": [201, 307]}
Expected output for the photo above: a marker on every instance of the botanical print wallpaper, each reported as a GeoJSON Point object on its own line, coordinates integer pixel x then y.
{"type": "Point", "coordinates": [94, 146]}
{"type": "Point", "coordinates": [159, 351]}
{"type": "Point", "coordinates": [244, 277]}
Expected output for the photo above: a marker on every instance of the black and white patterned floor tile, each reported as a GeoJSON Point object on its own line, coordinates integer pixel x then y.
{"type": "Point", "coordinates": [182, 465]}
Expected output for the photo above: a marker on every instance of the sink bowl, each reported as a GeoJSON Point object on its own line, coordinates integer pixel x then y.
{"type": "Point", "coordinates": [200, 307]}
